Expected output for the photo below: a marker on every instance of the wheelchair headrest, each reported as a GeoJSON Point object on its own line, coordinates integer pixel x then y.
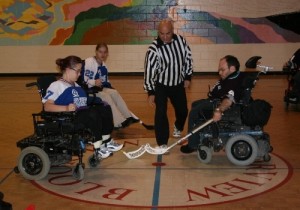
{"type": "Point", "coordinates": [252, 62]}
{"type": "Point", "coordinates": [43, 82]}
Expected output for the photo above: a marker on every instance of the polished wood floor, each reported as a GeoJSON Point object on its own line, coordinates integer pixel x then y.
{"type": "Point", "coordinates": [18, 102]}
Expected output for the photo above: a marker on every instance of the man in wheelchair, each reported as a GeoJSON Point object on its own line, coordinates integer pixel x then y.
{"type": "Point", "coordinates": [238, 119]}
{"type": "Point", "coordinates": [224, 94]}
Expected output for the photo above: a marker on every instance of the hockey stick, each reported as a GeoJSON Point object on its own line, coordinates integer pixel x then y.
{"type": "Point", "coordinates": [148, 127]}
{"type": "Point", "coordinates": [160, 151]}
{"type": "Point", "coordinates": [136, 153]}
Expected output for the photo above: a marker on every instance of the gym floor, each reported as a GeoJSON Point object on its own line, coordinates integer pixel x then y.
{"type": "Point", "coordinates": [174, 181]}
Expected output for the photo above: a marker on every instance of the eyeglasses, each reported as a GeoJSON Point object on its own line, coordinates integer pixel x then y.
{"type": "Point", "coordinates": [77, 70]}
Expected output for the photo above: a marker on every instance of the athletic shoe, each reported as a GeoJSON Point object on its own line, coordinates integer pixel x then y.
{"type": "Point", "coordinates": [176, 132]}
{"type": "Point", "coordinates": [163, 146]}
{"type": "Point", "coordinates": [186, 149]}
{"type": "Point", "coordinates": [103, 152]}
{"type": "Point", "coordinates": [113, 146]}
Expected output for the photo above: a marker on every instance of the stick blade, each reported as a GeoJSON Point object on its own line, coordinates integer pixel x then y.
{"type": "Point", "coordinates": [136, 153]}
{"type": "Point", "coordinates": [155, 151]}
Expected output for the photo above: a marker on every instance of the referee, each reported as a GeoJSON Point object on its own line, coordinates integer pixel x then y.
{"type": "Point", "coordinates": [168, 71]}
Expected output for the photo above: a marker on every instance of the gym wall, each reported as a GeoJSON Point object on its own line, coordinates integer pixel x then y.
{"type": "Point", "coordinates": [34, 34]}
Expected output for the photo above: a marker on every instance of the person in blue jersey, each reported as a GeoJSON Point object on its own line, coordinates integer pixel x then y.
{"type": "Point", "coordinates": [65, 95]}
{"type": "Point", "coordinates": [168, 72]}
{"type": "Point", "coordinates": [227, 91]}
{"type": "Point", "coordinates": [95, 74]}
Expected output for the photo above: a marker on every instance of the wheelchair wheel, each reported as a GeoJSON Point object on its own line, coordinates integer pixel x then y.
{"type": "Point", "coordinates": [34, 163]}
{"type": "Point", "coordinates": [267, 157]}
{"type": "Point", "coordinates": [271, 149]}
{"type": "Point", "coordinates": [241, 149]}
{"type": "Point", "coordinates": [78, 172]}
{"type": "Point", "coordinates": [16, 170]}
{"type": "Point", "coordinates": [204, 154]}
{"type": "Point", "coordinates": [286, 100]}
{"type": "Point", "coordinates": [93, 161]}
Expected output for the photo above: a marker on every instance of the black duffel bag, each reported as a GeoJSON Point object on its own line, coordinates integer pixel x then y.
{"type": "Point", "coordinates": [256, 113]}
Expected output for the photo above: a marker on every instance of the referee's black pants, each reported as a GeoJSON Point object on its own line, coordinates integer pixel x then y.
{"type": "Point", "coordinates": [177, 97]}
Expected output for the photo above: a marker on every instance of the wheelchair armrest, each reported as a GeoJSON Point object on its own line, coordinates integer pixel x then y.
{"type": "Point", "coordinates": [92, 98]}
{"type": "Point", "coordinates": [58, 115]}
{"type": "Point", "coordinates": [31, 84]}
{"type": "Point", "coordinates": [233, 114]}
{"type": "Point", "coordinates": [94, 89]}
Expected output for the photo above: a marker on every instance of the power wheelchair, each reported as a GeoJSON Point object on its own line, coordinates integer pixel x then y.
{"type": "Point", "coordinates": [292, 70]}
{"type": "Point", "coordinates": [54, 142]}
{"type": "Point", "coordinates": [244, 141]}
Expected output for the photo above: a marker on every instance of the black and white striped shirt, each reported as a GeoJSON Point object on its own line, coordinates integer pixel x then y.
{"type": "Point", "coordinates": [167, 64]}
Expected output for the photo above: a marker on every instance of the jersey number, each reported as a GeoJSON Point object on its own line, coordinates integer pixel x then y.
{"type": "Point", "coordinates": [89, 74]}
{"type": "Point", "coordinates": [48, 94]}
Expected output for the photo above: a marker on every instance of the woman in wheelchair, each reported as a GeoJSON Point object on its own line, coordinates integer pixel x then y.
{"type": "Point", "coordinates": [65, 95]}
{"type": "Point", "coordinates": [225, 92]}
{"type": "Point", "coordinates": [95, 75]}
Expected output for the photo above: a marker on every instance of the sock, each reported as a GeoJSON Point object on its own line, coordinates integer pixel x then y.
{"type": "Point", "coordinates": [97, 144]}
{"type": "Point", "coordinates": [106, 138]}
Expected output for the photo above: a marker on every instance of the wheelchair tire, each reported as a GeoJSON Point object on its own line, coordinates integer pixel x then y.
{"type": "Point", "coordinates": [267, 158]}
{"type": "Point", "coordinates": [241, 149]}
{"type": "Point", "coordinates": [93, 161]}
{"type": "Point", "coordinates": [78, 172]}
{"type": "Point", "coordinates": [204, 154]}
{"type": "Point", "coordinates": [34, 163]}
{"type": "Point", "coordinates": [285, 99]}
{"type": "Point", "coordinates": [16, 170]}
{"type": "Point", "coordinates": [271, 149]}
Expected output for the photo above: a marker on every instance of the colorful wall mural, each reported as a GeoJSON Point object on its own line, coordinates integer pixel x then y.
{"type": "Point", "coordinates": [86, 22]}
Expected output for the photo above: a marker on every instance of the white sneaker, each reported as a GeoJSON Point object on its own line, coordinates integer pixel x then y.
{"type": "Point", "coordinates": [113, 146]}
{"type": "Point", "coordinates": [176, 132]}
{"type": "Point", "coordinates": [164, 146]}
{"type": "Point", "coordinates": [103, 152]}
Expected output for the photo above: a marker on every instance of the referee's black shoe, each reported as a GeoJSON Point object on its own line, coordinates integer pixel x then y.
{"type": "Point", "coordinates": [133, 120]}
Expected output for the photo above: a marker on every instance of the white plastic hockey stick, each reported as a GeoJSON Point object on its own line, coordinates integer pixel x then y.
{"type": "Point", "coordinates": [160, 151]}
{"type": "Point", "coordinates": [136, 153]}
